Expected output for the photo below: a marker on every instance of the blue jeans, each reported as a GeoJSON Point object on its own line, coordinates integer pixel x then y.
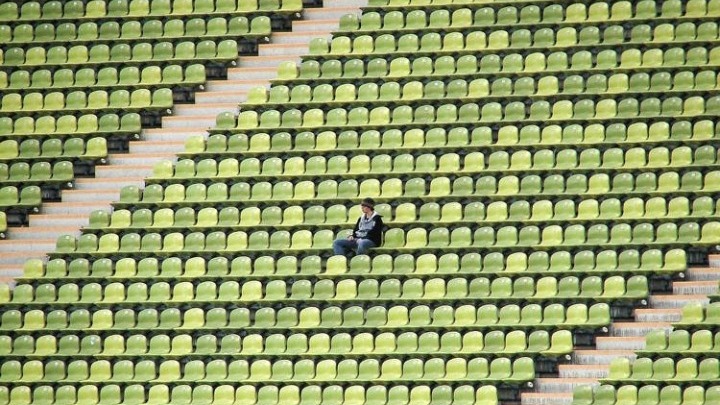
{"type": "Point", "coordinates": [361, 246]}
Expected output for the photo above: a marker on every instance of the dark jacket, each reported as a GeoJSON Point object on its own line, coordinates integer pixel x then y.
{"type": "Point", "coordinates": [370, 229]}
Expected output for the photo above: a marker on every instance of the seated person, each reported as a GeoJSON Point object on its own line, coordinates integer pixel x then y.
{"type": "Point", "coordinates": [367, 233]}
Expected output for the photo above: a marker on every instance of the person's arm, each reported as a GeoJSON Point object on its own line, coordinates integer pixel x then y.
{"type": "Point", "coordinates": [375, 233]}
{"type": "Point", "coordinates": [355, 229]}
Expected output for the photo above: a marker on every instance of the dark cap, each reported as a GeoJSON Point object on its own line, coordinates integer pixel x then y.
{"type": "Point", "coordinates": [368, 202]}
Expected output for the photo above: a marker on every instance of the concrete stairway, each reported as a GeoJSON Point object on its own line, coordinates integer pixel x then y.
{"type": "Point", "coordinates": [588, 364]}
{"type": "Point", "coordinates": [89, 194]}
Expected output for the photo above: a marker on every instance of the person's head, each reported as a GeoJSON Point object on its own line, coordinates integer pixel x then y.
{"type": "Point", "coordinates": [367, 205]}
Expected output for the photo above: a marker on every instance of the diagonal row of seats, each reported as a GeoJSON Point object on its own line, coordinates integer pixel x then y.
{"type": "Point", "coordinates": [226, 394]}
{"type": "Point", "coordinates": [490, 65]}
{"type": "Point", "coordinates": [555, 13]}
{"type": "Point", "coordinates": [110, 31]}
{"type": "Point", "coordinates": [497, 212]}
{"type": "Point", "coordinates": [352, 319]}
{"type": "Point", "coordinates": [415, 91]}
{"type": "Point", "coordinates": [516, 342]}
{"type": "Point", "coordinates": [464, 15]}
{"type": "Point", "coordinates": [564, 111]}
{"type": "Point", "coordinates": [105, 78]}
{"type": "Point", "coordinates": [121, 9]}
{"type": "Point", "coordinates": [480, 136]}
{"type": "Point", "coordinates": [457, 289]}
{"type": "Point", "coordinates": [651, 261]}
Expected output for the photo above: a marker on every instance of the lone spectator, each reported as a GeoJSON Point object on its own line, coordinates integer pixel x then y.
{"type": "Point", "coordinates": [367, 233]}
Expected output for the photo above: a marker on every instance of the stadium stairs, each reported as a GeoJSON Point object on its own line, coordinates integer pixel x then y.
{"type": "Point", "coordinates": [122, 169]}
{"type": "Point", "coordinates": [625, 336]}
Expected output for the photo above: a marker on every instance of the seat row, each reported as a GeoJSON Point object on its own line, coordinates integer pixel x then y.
{"type": "Point", "coordinates": [555, 13]}
{"type": "Point", "coordinates": [226, 394]}
{"type": "Point", "coordinates": [317, 167]}
{"type": "Point", "coordinates": [499, 40]}
{"type": "Point", "coordinates": [681, 341]}
{"type": "Point", "coordinates": [646, 394]}
{"type": "Point", "coordinates": [96, 9]}
{"type": "Point", "coordinates": [500, 289]}
{"type": "Point", "coordinates": [457, 38]}
{"type": "Point", "coordinates": [455, 369]}
{"type": "Point", "coordinates": [560, 111]}
{"type": "Point", "coordinates": [532, 14]}
{"type": "Point", "coordinates": [553, 235]}
{"type": "Point", "coordinates": [23, 198]}
{"type": "Point", "coordinates": [225, 51]}
{"type": "Point", "coordinates": [351, 319]}
{"type": "Point", "coordinates": [30, 149]}
{"type": "Point", "coordinates": [703, 316]}
{"type": "Point", "coordinates": [22, 173]}
{"type": "Point", "coordinates": [394, 189]}
{"type": "Point", "coordinates": [634, 208]}
{"type": "Point", "coordinates": [265, 267]}
{"type": "Point", "coordinates": [351, 69]}
{"type": "Point", "coordinates": [128, 125]}
{"type": "Point", "coordinates": [538, 342]}
{"type": "Point", "coordinates": [664, 370]}
{"type": "Point", "coordinates": [435, 138]}
{"type": "Point", "coordinates": [416, 91]}
{"type": "Point", "coordinates": [80, 101]}
{"type": "Point", "coordinates": [108, 77]}
{"type": "Point", "coordinates": [484, 238]}
{"type": "Point", "coordinates": [109, 31]}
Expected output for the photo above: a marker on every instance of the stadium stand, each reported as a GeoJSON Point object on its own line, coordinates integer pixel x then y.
{"type": "Point", "coordinates": [548, 171]}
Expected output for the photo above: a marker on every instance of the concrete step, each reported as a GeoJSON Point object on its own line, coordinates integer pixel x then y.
{"type": "Point", "coordinates": [19, 258]}
{"type": "Point", "coordinates": [58, 220]}
{"type": "Point", "coordinates": [9, 280]}
{"type": "Point", "coordinates": [34, 246]}
{"type": "Point", "coordinates": [265, 61]}
{"type": "Point", "coordinates": [563, 385]}
{"type": "Point", "coordinates": [282, 49]}
{"type": "Point", "coordinates": [583, 371]}
{"type": "Point", "coordinates": [243, 73]}
{"type": "Point", "coordinates": [157, 146]}
{"type": "Point", "coordinates": [703, 273]}
{"type": "Point", "coordinates": [41, 232]}
{"type": "Point", "coordinates": [675, 301]}
{"type": "Point", "coordinates": [658, 315]}
{"type": "Point", "coordinates": [123, 171]}
{"type": "Point", "coordinates": [236, 84]}
{"type": "Point", "coordinates": [10, 268]}
{"type": "Point", "coordinates": [603, 357]}
{"type": "Point", "coordinates": [543, 398]}
{"type": "Point", "coordinates": [77, 208]}
{"type": "Point", "coordinates": [173, 134]}
{"type": "Point", "coordinates": [345, 3]}
{"type": "Point", "coordinates": [714, 260]}
{"type": "Point", "coordinates": [101, 184]}
{"type": "Point", "coordinates": [695, 287]}
{"type": "Point", "coordinates": [328, 13]}
{"type": "Point", "coordinates": [133, 159]}
{"type": "Point", "coordinates": [229, 99]}
{"type": "Point", "coordinates": [328, 25]}
{"type": "Point", "coordinates": [637, 328]}
{"type": "Point", "coordinates": [200, 121]}
{"type": "Point", "coordinates": [620, 342]}
{"type": "Point", "coordinates": [79, 196]}
{"type": "Point", "coordinates": [302, 37]}
{"type": "Point", "coordinates": [205, 106]}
